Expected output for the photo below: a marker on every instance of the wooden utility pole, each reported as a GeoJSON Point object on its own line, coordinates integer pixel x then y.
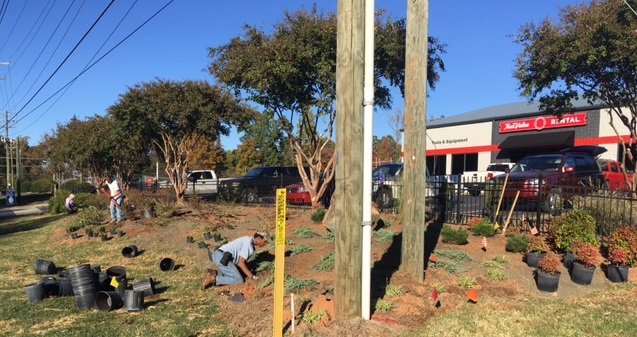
{"type": "Point", "coordinates": [349, 158]}
{"type": "Point", "coordinates": [413, 246]}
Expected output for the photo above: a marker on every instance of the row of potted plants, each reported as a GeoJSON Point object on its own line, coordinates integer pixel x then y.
{"type": "Point", "coordinates": [575, 235]}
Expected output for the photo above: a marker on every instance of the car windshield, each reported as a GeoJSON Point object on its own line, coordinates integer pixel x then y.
{"type": "Point", "coordinates": [255, 172]}
{"type": "Point", "coordinates": [539, 163]}
{"type": "Point", "coordinates": [386, 171]}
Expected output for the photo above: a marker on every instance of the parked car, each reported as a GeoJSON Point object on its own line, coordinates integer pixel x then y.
{"type": "Point", "coordinates": [258, 182]}
{"type": "Point", "coordinates": [614, 175]}
{"type": "Point", "coordinates": [550, 179]}
{"type": "Point", "coordinates": [202, 183]}
{"type": "Point", "coordinates": [475, 181]}
{"type": "Point", "coordinates": [387, 184]}
{"type": "Point", "coordinates": [297, 194]}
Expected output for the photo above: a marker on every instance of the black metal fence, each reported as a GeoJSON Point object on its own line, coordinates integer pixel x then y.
{"type": "Point", "coordinates": [534, 205]}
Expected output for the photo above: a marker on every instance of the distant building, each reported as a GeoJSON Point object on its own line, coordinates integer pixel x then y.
{"type": "Point", "coordinates": [509, 132]}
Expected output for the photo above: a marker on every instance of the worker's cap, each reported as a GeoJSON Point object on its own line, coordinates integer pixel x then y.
{"type": "Point", "coordinates": [263, 234]}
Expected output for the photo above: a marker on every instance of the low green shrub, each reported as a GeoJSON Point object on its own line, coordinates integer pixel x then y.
{"type": "Point", "coordinates": [393, 290]}
{"type": "Point", "coordinates": [318, 215]}
{"type": "Point", "coordinates": [383, 305]}
{"type": "Point", "coordinates": [304, 232]}
{"type": "Point", "coordinates": [483, 228]}
{"type": "Point", "coordinates": [326, 263]}
{"type": "Point", "coordinates": [517, 243]}
{"type": "Point", "coordinates": [457, 236]}
{"type": "Point", "coordinates": [313, 317]}
{"type": "Point", "coordinates": [300, 249]}
{"type": "Point", "coordinates": [467, 282]}
{"type": "Point", "coordinates": [578, 225]}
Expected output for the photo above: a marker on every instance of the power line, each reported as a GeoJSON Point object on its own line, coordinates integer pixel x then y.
{"type": "Point", "coordinates": [89, 67]}
{"type": "Point", "coordinates": [66, 58]}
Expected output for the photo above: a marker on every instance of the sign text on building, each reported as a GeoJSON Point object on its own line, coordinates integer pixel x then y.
{"type": "Point", "coordinates": [543, 122]}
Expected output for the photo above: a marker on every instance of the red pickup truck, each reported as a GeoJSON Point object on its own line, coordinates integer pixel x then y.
{"type": "Point", "coordinates": [614, 174]}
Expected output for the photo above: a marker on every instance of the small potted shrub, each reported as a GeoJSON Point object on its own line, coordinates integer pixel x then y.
{"type": "Point", "coordinates": [617, 269]}
{"type": "Point", "coordinates": [625, 238]}
{"type": "Point", "coordinates": [584, 265]}
{"type": "Point", "coordinates": [548, 273]}
{"type": "Point", "coordinates": [207, 234]}
{"type": "Point", "coordinates": [536, 250]}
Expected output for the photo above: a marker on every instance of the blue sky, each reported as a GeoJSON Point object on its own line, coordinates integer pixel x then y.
{"type": "Point", "coordinates": [45, 54]}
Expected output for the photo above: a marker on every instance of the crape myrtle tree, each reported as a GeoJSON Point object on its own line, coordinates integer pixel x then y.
{"type": "Point", "coordinates": [175, 116]}
{"type": "Point", "coordinates": [291, 72]}
{"type": "Point", "coordinates": [591, 53]}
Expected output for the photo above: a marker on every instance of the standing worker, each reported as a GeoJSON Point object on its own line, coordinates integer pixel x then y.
{"type": "Point", "coordinates": [228, 257]}
{"type": "Point", "coordinates": [117, 198]}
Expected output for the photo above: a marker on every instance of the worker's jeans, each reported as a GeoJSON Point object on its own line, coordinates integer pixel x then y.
{"type": "Point", "coordinates": [116, 209]}
{"type": "Point", "coordinates": [229, 274]}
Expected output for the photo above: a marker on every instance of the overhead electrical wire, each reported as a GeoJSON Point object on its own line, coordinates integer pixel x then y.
{"type": "Point", "coordinates": [66, 58]}
{"type": "Point", "coordinates": [88, 67]}
{"type": "Point", "coordinates": [42, 52]}
{"type": "Point", "coordinates": [14, 25]}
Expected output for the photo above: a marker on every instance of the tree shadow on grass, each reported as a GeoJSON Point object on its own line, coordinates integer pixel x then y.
{"type": "Point", "coordinates": [16, 225]}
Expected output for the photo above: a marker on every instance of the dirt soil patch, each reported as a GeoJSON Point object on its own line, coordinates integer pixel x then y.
{"type": "Point", "coordinates": [410, 308]}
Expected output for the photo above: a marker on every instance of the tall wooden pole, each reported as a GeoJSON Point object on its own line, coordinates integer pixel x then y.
{"type": "Point", "coordinates": [349, 158]}
{"type": "Point", "coordinates": [413, 246]}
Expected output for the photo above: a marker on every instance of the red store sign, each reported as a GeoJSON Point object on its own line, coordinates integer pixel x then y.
{"type": "Point", "coordinates": [543, 122]}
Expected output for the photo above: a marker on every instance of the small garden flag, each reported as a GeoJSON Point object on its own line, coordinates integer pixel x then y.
{"type": "Point", "coordinates": [533, 231]}
{"type": "Point", "coordinates": [496, 225]}
{"type": "Point", "coordinates": [484, 241]}
{"type": "Point", "coordinates": [434, 295]}
{"type": "Point", "coordinates": [433, 258]}
{"type": "Point", "coordinates": [114, 283]}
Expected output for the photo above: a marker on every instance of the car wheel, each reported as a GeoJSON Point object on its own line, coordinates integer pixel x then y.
{"type": "Point", "coordinates": [474, 192]}
{"type": "Point", "coordinates": [249, 196]}
{"type": "Point", "coordinates": [384, 199]}
{"type": "Point", "coordinates": [553, 202]}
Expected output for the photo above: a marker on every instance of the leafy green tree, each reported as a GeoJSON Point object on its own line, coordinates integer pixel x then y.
{"type": "Point", "coordinates": [591, 53]}
{"type": "Point", "coordinates": [175, 115]}
{"type": "Point", "coordinates": [268, 139]}
{"type": "Point", "coordinates": [291, 72]}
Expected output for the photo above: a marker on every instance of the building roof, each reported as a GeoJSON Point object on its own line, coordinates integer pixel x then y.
{"type": "Point", "coordinates": [500, 112]}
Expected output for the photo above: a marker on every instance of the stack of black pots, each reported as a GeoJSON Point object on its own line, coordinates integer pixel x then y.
{"type": "Point", "coordinates": [84, 287]}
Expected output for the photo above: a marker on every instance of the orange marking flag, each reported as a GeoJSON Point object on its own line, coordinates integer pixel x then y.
{"type": "Point", "coordinates": [472, 295]}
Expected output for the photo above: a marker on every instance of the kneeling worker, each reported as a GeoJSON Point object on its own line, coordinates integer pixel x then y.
{"type": "Point", "coordinates": [228, 257]}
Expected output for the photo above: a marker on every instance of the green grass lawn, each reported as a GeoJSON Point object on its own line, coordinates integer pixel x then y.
{"type": "Point", "coordinates": [181, 308]}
